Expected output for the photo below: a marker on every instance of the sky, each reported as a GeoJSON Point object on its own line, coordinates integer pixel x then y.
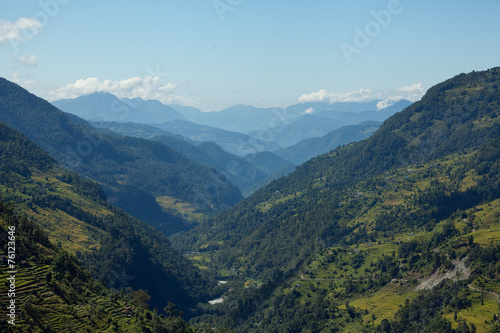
{"type": "Point", "coordinates": [212, 54]}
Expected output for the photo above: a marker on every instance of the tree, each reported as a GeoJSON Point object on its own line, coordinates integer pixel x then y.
{"type": "Point", "coordinates": [141, 297]}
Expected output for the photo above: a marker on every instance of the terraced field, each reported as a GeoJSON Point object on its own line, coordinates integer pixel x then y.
{"type": "Point", "coordinates": [36, 297]}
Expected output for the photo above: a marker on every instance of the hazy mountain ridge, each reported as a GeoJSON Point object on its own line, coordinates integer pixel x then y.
{"type": "Point", "coordinates": [323, 118]}
{"type": "Point", "coordinates": [247, 118]}
{"type": "Point", "coordinates": [228, 127]}
{"type": "Point", "coordinates": [309, 148]}
{"type": "Point", "coordinates": [268, 162]}
{"type": "Point", "coordinates": [101, 106]}
{"type": "Point", "coordinates": [240, 171]}
{"type": "Point", "coordinates": [233, 142]}
{"type": "Point", "coordinates": [116, 161]}
{"type": "Point", "coordinates": [236, 118]}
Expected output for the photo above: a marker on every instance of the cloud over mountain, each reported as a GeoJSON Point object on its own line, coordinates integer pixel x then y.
{"type": "Point", "coordinates": [386, 97]}
{"type": "Point", "coordinates": [146, 88]}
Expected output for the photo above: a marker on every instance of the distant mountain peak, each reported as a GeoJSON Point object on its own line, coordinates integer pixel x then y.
{"type": "Point", "coordinates": [104, 106]}
{"type": "Point", "coordinates": [98, 94]}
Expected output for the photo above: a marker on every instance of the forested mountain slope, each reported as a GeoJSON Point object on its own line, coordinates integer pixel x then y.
{"type": "Point", "coordinates": [133, 169]}
{"type": "Point", "coordinates": [53, 292]}
{"type": "Point", "coordinates": [118, 249]}
{"type": "Point", "coordinates": [420, 177]}
{"type": "Point", "coordinates": [456, 115]}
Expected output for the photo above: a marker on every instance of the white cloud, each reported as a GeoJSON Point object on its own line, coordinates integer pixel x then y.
{"type": "Point", "coordinates": [309, 111]}
{"type": "Point", "coordinates": [386, 97]}
{"type": "Point", "coordinates": [24, 28]}
{"type": "Point", "coordinates": [28, 60]}
{"type": "Point", "coordinates": [146, 88]}
{"type": "Point", "coordinates": [385, 103]}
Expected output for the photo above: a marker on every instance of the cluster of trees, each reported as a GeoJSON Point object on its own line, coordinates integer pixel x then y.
{"type": "Point", "coordinates": [425, 312]}
{"type": "Point", "coordinates": [27, 233]}
{"type": "Point", "coordinates": [82, 186]}
{"type": "Point", "coordinates": [136, 255]}
{"type": "Point", "coordinates": [485, 262]}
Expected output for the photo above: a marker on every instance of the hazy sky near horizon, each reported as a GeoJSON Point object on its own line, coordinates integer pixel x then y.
{"type": "Point", "coordinates": [212, 54]}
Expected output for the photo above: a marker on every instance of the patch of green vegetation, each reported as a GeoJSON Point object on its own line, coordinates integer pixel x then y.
{"type": "Point", "coordinates": [478, 314]}
{"type": "Point", "coordinates": [266, 206]}
{"type": "Point", "coordinates": [182, 209]}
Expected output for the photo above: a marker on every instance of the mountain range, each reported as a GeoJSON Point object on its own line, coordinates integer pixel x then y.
{"type": "Point", "coordinates": [234, 142]}
{"type": "Point", "coordinates": [241, 171]}
{"type": "Point", "coordinates": [103, 106]}
{"type": "Point", "coordinates": [396, 232]}
{"type": "Point", "coordinates": [324, 118]}
{"type": "Point", "coordinates": [133, 171]}
{"type": "Point", "coordinates": [370, 221]}
{"type": "Point", "coordinates": [240, 129]}
{"type": "Point", "coordinates": [308, 148]}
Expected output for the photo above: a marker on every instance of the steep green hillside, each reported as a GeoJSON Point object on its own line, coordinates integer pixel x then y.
{"type": "Point", "coordinates": [122, 163]}
{"type": "Point", "coordinates": [407, 241]}
{"type": "Point", "coordinates": [420, 177]}
{"type": "Point", "coordinates": [52, 292]}
{"type": "Point", "coordinates": [304, 206]}
{"type": "Point", "coordinates": [116, 248]}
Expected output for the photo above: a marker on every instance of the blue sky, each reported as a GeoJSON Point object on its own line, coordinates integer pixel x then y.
{"type": "Point", "coordinates": [213, 54]}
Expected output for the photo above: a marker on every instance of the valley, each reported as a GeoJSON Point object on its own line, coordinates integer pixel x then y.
{"type": "Point", "coordinates": [386, 221]}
